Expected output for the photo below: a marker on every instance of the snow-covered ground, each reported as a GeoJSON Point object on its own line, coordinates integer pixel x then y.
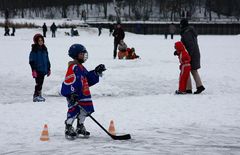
{"type": "Point", "coordinates": [138, 95]}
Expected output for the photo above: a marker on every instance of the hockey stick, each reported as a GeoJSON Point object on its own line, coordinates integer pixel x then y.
{"type": "Point", "coordinates": [120, 137]}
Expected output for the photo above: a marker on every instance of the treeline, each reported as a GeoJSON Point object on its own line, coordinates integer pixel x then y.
{"type": "Point", "coordinates": [23, 4]}
{"type": "Point", "coordinates": [126, 9]}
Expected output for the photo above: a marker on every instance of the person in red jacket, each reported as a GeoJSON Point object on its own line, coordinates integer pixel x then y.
{"type": "Point", "coordinates": [185, 67]}
{"type": "Point", "coordinates": [131, 54]}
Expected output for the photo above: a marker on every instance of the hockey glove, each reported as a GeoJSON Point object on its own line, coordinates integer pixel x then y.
{"type": "Point", "coordinates": [73, 98]}
{"type": "Point", "coordinates": [99, 69]}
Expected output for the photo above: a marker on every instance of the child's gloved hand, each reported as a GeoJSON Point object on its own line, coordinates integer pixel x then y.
{"type": "Point", "coordinates": [99, 69]}
{"type": "Point", "coordinates": [34, 74]}
{"type": "Point", "coordinates": [73, 98]}
{"type": "Point", "coordinates": [175, 53]}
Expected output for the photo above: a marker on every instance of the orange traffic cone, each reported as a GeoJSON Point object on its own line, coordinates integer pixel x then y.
{"type": "Point", "coordinates": [44, 135]}
{"type": "Point", "coordinates": [111, 128]}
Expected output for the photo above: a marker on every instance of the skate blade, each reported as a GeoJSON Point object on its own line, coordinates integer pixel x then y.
{"type": "Point", "coordinates": [83, 136]}
{"type": "Point", "coordinates": [70, 137]}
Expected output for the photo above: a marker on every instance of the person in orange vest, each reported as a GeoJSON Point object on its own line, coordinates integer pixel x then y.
{"type": "Point", "coordinates": [185, 67]}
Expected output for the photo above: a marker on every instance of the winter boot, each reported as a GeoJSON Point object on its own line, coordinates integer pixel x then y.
{"type": "Point", "coordinates": [69, 132]}
{"type": "Point", "coordinates": [177, 92]}
{"type": "Point", "coordinates": [81, 130]}
{"type": "Point", "coordinates": [42, 98]}
{"type": "Point", "coordinates": [199, 90]}
{"type": "Point", "coordinates": [37, 97]}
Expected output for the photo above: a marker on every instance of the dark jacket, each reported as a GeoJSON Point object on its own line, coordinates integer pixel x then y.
{"type": "Point", "coordinates": [189, 39]}
{"type": "Point", "coordinates": [44, 27]}
{"type": "Point", "coordinates": [39, 60]}
{"type": "Point", "coordinates": [53, 28]}
{"type": "Point", "coordinates": [118, 34]}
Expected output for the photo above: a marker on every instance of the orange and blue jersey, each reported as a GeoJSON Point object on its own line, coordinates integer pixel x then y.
{"type": "Point", "coordinates": [78, 80]}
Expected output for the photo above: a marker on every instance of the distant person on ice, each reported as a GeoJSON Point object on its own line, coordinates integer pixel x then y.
{"type": "Point", "coordinates": [125, 52]}
{"type": "Point", "coordinates": [40, 65]}
{"type": "Point", "coordinates": [53, 29]}
{"type": "Point", "coordinates": [7, 30]}
{"type": "Point", "coordinates": [74, 32]}
{"type": "Point", "coordinates": [99, 30]}
{"type": "Point", "coordinates": [189, 39]}
{"type": "Point", "coordinates": [76, 90]}
{"type": "Point", "coordinates": [184, 67]}
{"type": "Point", "coordinates": [172, 30]}
{"type": "Point", "coordinates": [44, 27]}
{"type": "Point", "coordinates": [13, 31]}
{"type": "Point", "coordinates": [119, 35]}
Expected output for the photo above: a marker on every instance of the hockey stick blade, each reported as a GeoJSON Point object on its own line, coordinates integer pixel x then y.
{"type": "Point", "coordinates": [121, 137]}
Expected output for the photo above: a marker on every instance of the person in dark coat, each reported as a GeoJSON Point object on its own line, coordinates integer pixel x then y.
{"type": "Point", "coordinates": [40, 65]}
{"type": "Point", "coordinates": [172, 30]}
{"type": "Point", "coordinates": [74, 32]}
{"type": "Point", "coordinates": [99, 30]}
{"type": "Point", "coordinates": [53, 29]}
{"type": "Point", "coordinates": [189, 39]}
{"type": "Point", "coordinates": [13, 31]}
{"type": "Point", "coordinates": [119, 35]}
{"type": "Point", "coordinates": [7, 30]}
{"type": "Point", "coordinates": [44, 27]}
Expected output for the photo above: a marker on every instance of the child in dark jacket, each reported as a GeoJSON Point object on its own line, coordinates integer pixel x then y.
{"type": "Point", "coordinates": [76, 90]}
{"type": "Point", "coordinates": [185, 67]}
{"type": "Point", "coordinates": [40, 65]}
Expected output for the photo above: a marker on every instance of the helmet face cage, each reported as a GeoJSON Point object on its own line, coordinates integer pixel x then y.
{"type": "Point", "coordinates": [85, 57]}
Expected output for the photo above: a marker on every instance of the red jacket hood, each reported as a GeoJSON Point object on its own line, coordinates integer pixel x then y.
{"type": "Point", "coordinates": [179, 47]}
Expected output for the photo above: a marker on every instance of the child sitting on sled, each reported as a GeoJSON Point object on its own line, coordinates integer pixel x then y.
{"type": "Point", "coordinates": [125, 52]}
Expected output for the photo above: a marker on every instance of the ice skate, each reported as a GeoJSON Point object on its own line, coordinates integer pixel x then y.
{"type": "Point", "coordinates": [81, 131]}
{"type": "Point", "coordinates": [69, 132]}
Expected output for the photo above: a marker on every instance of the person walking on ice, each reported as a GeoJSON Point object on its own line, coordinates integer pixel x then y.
{"type": "Point", "coordinates": [40, 65]}
{"type": "Point", "coordinates": [190, 41]}
{"type": "Point", "coordinates": [76, 90]}
{"type": "Point", "coordinates": [118, 35]}
{"type": "Point", "coordinates": [44, 28]}
{"type": "Point", "coordinates": [53, 29]}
